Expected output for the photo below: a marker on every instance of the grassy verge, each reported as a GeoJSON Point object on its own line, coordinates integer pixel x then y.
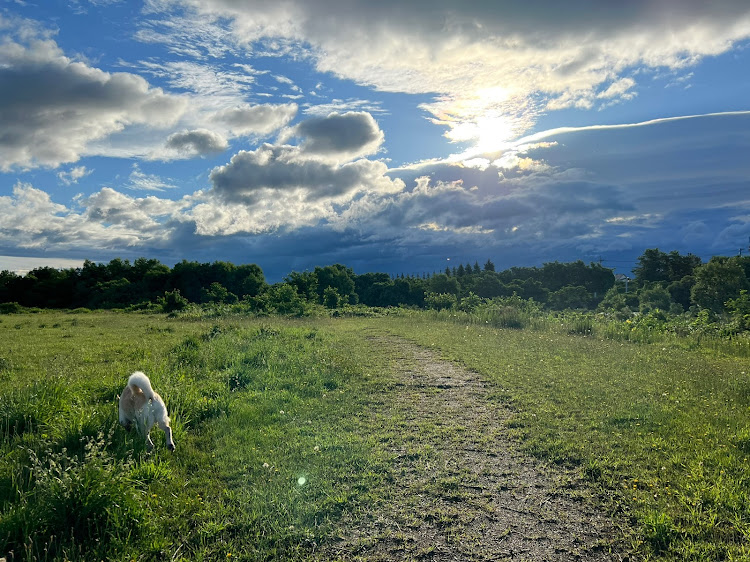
{"type": "Point", "coordinates": [270, 451]}
{"type": "Point", "coordinates": [663, 432]}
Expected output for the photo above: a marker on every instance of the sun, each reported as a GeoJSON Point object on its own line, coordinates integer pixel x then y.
{"type": "Point", "coordinates": [493, 133]}
{"type": "Point", "coordinates": [484, 120]}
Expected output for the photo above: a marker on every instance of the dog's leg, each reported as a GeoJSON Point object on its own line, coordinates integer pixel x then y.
{"type": "Point", "coordinates": [149, 443]}
{"type": "Point", "coordinates": [168, 432]}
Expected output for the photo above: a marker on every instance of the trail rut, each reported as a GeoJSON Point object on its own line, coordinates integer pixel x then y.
{"type": "Point", "coordinates": [462, 490]}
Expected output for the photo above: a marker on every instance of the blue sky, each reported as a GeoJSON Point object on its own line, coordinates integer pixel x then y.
{"type": "Point", "coordinates": [389, 136]}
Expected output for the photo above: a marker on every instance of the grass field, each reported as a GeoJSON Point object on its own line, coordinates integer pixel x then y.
{"type": "Point", "coordinates": [276, 444]}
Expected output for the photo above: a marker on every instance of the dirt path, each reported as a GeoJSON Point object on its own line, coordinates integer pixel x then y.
{"type": "Point", "coordinates": [461, 491]}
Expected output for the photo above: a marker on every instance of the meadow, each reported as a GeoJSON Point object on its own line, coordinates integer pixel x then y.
{"type": "Point", "coordinates": [280, 425]}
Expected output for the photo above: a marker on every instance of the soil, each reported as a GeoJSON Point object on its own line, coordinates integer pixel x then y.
{"type": "Point", "coordinates": [462, 489]}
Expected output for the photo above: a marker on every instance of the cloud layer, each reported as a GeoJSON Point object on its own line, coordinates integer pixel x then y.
{"type": "Point", "coordinates": [276, 203]}
{"type": "Point", "coordinates": [483, 60]}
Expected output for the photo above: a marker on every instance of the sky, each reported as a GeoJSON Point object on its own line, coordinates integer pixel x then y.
{"type": "Point", "coordinates": [393, 136]}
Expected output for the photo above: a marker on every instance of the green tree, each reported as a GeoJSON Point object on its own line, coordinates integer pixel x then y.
{"type": "Point", "coordinates": [654, 297]}
{"type": "Point", "coordinates": [443, 284]}
{"type": "Point", "coordinates": [217, 293]}
{"type": "Point", "coordinates": [679, 291]}
{"type": "Point", "coordinates": [718, 281]}
{"type": "Point", "coordinates": [338, 277]}
{"type": "Point", "coordinates": [469, 302]}
{"type": "Point", "coordinates": [739, 311]}
{"type": "Point", "coordinates": [616, 302]}
{"type": "Point", "coordinates": [655, 266]}
{"type": "Point", "coordinates": [305, 282]}
{"type": "Point", "coordinates": [252, 282]}
{"type": "Point", "coordinates": [570, 297]}
{"type": "Point", "coordinates": [331, 298]}
{"type": "Point", "coordinates": [284, 299]}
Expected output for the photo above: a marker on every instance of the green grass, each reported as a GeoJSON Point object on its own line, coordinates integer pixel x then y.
{"type": "Point", "coordinates": [661, 432]}
{"type": "Point", "coordinates": [276, 446]}
{"type": "Point", "coordinates": [270, 451]}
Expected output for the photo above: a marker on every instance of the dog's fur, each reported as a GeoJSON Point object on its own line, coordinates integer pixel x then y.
{"type": "Point", "coordinates": [139, 404]}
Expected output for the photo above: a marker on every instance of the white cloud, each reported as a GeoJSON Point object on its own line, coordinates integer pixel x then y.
{"type": "Point", "coordinates": [52, 107]}
{"type": "Point", "coordinates": [338, 137]}
{"type": "Point", "coordinates": [197, 142]}
{"type": "Point", "coordinates": [73, 175]}
{"type": "Point", "coordinates": [147, 182]}
{"type": "Point", "coordinates": [258, 120]}
{"type": "Point", "coordinates": [618, 89]}
{"type": "Point", "coordinates": [276, 171]}
{"type": "Point", "coordinates": [207, 80]}
{"type": "Point", "coordinates": [544, 57]}
{"type": "Point", "coordinates": [29, 219]}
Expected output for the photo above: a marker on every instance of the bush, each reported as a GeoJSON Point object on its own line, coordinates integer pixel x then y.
{"type": "Point", "coordinates": [10, 308]}
{"type": "Point", "coordinates": [440, 301]}
{"type": "Point", "coordinates": [173, 301]}
{"type": "Point", "coordinates": [470, 302]}
{"type": "Point", "coordinates": [284, 299]}
{"type": "Point", "coordinates": [739, 312]}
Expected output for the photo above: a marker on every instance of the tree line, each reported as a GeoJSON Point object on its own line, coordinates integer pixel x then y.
{"type": "Point", "coordinates": [669, 282]}
{"type": "Point", "coordinates": [122, 284]}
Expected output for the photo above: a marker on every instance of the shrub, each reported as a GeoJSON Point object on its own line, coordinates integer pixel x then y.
{"type": "Point", "coordinates": [10, 308]}
{"type": "Point", "coordinates": [739, 312]}
{"type": "Point", "coordinates": [173, 301]}
{"type": "Point", "coordinates": [469, 302]}
{"type": "Point", "coordinates": [440, 301]}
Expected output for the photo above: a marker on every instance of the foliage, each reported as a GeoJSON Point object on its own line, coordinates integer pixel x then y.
{"type": "Point", "coordinates": [172, 301]}
{"type": "Point", "coordinates": [440, 301]}
{"type": "Point", "coordinates": [570, 297]}
{"type": "Point", "coordinates": [655, 266]}
{"type": "Point", "coordinates": [739, 312]}
{"type": "Point", "coordinates": [284, 299]}
{"type": "Point", "coordinates": [718, 281]}
{"type": "Point", "coordinates": [669, 282]}
{"type": "Point", "coordinates": [654, 297]}
{"type": "Point", "coordinates": [331, 298]}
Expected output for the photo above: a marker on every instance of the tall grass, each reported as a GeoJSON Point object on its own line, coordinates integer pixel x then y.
{"type": "Point", "coordinates": [515, 313]}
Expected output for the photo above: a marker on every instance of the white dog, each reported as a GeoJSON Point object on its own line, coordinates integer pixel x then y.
{"type": "Point", "coordinates": [140, 404]}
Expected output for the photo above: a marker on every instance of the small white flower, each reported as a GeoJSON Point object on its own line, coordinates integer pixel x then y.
{"type": "Point", "coordinates": [281, 412]}
{"type": "Point", "coordinates": [266, 465]}
{"type": "Point", "coordinates": [316, 448]}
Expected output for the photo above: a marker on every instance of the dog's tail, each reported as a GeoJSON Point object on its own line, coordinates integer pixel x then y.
{"type": "Point", "coordinates": [140, 380]}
